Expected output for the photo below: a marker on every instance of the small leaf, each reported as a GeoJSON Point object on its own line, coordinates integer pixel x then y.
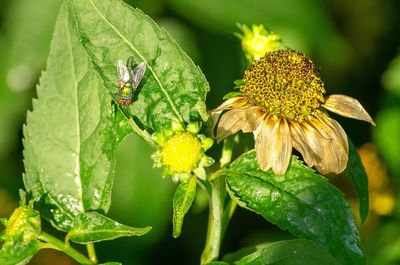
{"type": "Point", "coordinates": [71, 135]}
{"type": "Point", "coordinates": [19, 253]}
{"type": "Point", "coordinates": [293, 252]}
{"type": "Point", "coordinates": [356, 173]}
{"type": "Point", "coordinates": [93, 227]}
{"type": "Point", "coordinates": [183, 199]}
{"type": "Point", "coordinates": [172, 88]}
{"type": "Point", "coordinates": [299, 201]}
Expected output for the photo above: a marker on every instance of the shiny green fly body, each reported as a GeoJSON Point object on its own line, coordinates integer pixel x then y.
{"type": "Point", "coordinates": [129, 80]}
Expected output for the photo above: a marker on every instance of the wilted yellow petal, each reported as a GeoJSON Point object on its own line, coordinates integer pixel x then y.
{"type": "Point", "coordinates": [231, 122]}
{"type": "Point", "coordinates": [227, 104]}
{"type": "Point", "coordinates": [254, 116]}
{"type": "Point", "coordinates": [273, 145]}
{"type": "Point", "coordinates": [280, 147]}
{"type": "Point", "coordinates": [347, 107]}
{"type": "Point", "coordinates": [299, 143]}
{"type": "Point", "coordinates": [265, 132]}
{"type": "Point", "coordinates": [335, 126]}
{"type": "Point", "coordinates": [334, 155]}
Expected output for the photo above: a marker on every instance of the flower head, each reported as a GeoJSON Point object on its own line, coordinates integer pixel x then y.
{"type": "Point", "coordinates": [282, 102]}
{"type": "Point", "coordinates": [23, 225]}
{"type": "Point", "coordinates": [182, 152]}
{"type": "Point", "coordinates": [257, 41]}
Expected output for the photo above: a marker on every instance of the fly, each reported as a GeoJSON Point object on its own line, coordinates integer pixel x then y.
{"type": "Point", "coordinates": [129, 80]}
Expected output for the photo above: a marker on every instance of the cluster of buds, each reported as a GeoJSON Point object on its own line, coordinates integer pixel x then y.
{"type": "Point", "coordinates": [182, 151]}
{"type": "Point", "coordinates": [258, 40]}
{"type": "Point", "coordinates": [23, 226]}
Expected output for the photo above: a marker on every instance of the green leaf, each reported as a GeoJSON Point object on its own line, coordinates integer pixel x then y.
{"type": "Point", "coordinates": [183, 199]}
{"type": "Point", "coordinates": [19, 254]}
{"type": "Point", "coordinates": [296, 251]}
{"type": "Point", "coordinates": [172, 88]}
{"type": "Point", "coordinates": [93, 227]}
{"type": "Point", "coordinates": [289, 252]}
{"type": "Point", "coordinates": [72, 133]}
{"type": "Point", "coordinates": [300, 201]}
{"type": "Point", "coordinates": [356, 173]}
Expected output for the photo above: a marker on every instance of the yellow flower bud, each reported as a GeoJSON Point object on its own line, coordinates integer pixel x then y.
{"type": "Point", "coordinates": [257, 41]}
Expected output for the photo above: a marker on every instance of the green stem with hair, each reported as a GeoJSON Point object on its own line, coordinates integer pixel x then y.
{"type": "Point", "coordinates": [214, 229]}
{"type": "Point", "coordinates": [219, 217]}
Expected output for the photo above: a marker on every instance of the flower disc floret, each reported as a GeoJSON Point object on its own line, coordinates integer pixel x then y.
{"type": "Point", "coordinates": [284, 83]}
{"type": "Point", "coordinates": [181, 153]}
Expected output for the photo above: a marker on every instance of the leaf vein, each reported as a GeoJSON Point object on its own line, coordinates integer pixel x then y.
{"type": "Point", "coordinates": [143, 59]}
{"type": "Point", "coordinates": [77, 170]}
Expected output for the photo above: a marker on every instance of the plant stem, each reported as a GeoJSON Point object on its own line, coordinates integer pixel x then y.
{"type": "Point", "coordinates": [227, 150]}
{"type": "Point", "coordinates": [91, 252]}
{"type": "Point", "coordinates": [218, 220]}
{"type": "Point", "coordinates": [228, 213]}
{"type": "Point", "coordinates": [59, 245]}
{"type": "Point", "coordinates": [214, 229]}
{"type": "Point", "coordinates": [142, 133]}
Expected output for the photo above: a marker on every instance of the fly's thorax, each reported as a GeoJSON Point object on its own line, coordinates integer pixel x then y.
{"type": "Point", "coordinates": [284, 83]}
{"type": "Point", "coordinates": [126, 91]}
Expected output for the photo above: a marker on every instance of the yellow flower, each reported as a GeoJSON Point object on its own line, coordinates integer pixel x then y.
{"type": "Point", "coordinates": [182, 152]}
{"type": "Point", "coordinates": [257, 41]}
{"type": "Point", "coordinates": [24, 224]}
{"type": "Point", "coordinates": [282, 102]}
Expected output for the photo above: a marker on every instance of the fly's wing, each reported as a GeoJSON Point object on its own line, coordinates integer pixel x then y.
{"type": "Point", "coordinates": [122, 70]}
{"type": "Point", "coordinates": [137, 74]}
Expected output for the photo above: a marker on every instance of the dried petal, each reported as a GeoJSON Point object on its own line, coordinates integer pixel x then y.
{"type": "Point", "coordinates": [273, 145]}
{"type": "Point", "coordinates": [299, 143]}
{"type": "Point", "coordinates": [281, 147]}
{"type": "Point", "coordinates": [254, 116]}
{"type": "Point", "coordinates": [231, 122]}
{"type": "Point", "coordinates": [335, 126]}
{"type": "Point", "coordinates": [264, 133]}
{"type": "Point", "coordinates": [347, 107]}
{"type": "Point", "coordinates": [334, 154]}
{"type": "Point", "coordinates": [227, 104]}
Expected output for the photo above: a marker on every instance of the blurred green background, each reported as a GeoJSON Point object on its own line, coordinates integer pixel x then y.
{"type": "Point", "coordinates": [356, 44]}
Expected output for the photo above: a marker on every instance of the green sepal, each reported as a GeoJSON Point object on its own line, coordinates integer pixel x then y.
{"type": "Point", "coordinates": [232, 94]}
{"type": "Point", "coordinates": [238, 83]}
{"type": "Point", "coordinates": [93, 227]}
{"type": "Point", "coordinates": [355, 171]}
{"type": "Point", "coordinates": [299, 201]}
{"type": "Point", "coordinates": [183, 199]}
